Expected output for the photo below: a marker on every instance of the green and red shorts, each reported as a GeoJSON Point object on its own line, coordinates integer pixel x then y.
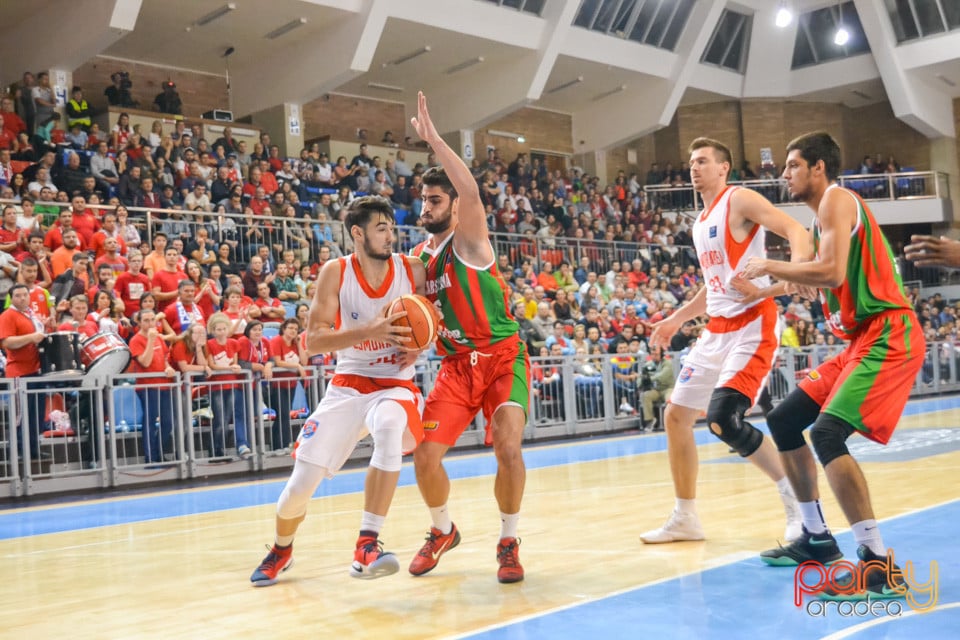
{"type": "Point", "coordinates": [478, 380]}
{"type": "Point", "coordinates": [868, 383]}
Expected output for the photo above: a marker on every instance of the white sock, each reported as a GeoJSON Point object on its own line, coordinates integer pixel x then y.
{"type": "Point", "coordinates": [784, 487]}
{"type": "Point", "coordinates": [508, 524]}
{"type": "Point", "coordinates": [283, 541]}
{"type": "Point", "coordinates": [687, 506]}
{"type": "Point", "coordinates": [813, 517]}
{"type": "Point", "coordinates": [371, 522]}
{"type": "Point", "coordinates": [867, 532]}
{"type": "Point", "coordinates": [441, 519]}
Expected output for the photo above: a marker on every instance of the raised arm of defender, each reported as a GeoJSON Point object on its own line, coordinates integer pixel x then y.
{"type": "Point", "coordinates": [472, 240]}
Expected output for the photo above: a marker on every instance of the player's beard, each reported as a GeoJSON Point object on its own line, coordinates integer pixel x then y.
{"type": "Point", "coordinates": [374, 253]}
{"type": "Point", "coordinates": [439, 225]}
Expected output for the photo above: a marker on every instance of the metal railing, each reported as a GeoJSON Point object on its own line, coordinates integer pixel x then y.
{"type": "Point", "coordinates": [110, 418]}
{"type": "Point", "coordinates": [882, 186]}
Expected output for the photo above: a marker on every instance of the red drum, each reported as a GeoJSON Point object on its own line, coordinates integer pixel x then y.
{"type": "Point", "coordinates": [105, 354]}
{"type": "Point", "coordinates": [60, 354]}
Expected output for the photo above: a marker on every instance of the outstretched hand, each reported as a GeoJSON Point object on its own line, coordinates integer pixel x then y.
{"type": "Point", "coordinates": [422, 122]}
{"type": "Point", "coordinates": [804, 291]}
{"type": "Point", "coordinates": [927, 251]}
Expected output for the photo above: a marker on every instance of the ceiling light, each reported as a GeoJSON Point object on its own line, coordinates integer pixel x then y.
{"type": "Point", "coordinates": [784, 16]}
{"type": "Point", "coordinates": [507, 134]}
{"type": "Point", "coordinates": [285, 29]}
{"type": "Point", "coordinates": [842, 36]}
{"type": "Point", "coordinates": [860, 94]}
{"type": "Point", "coordinates": [466, 64]}
{"type": "Point", "coordinates": [565, 85]}
{"type": "Point", "coordinates": [607, 94]}
{"type": "Point", "coordinates": [385, 87]}
{"type": "Point", "coordinates": [216, 14]}
{"type": "Point", "coordinates": [410, 56]}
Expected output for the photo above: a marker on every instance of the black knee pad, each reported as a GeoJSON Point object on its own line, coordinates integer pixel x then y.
{"type": "Point", "coordinates": [788, 420]}
{"type": "Point", "coordinates": [726, 410]}
{"type": "Point", "coordinates": [829, 437]}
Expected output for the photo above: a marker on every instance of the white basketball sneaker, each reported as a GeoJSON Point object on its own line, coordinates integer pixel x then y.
{"type": "Point", "coordinates": [680, 526]}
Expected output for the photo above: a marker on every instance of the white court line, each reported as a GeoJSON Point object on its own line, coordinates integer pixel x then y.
{"type": "Point", "coordinates": [728, 559]}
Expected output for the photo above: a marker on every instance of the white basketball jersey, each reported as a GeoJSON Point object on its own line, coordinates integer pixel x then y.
{"type": "Point", "coordinates": [722, 257]}
{"type": "Point", "coordinates": [359, 305]}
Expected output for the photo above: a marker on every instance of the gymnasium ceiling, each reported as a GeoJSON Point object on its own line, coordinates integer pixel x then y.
{"type": "Point", "coordinates": [636, 60]}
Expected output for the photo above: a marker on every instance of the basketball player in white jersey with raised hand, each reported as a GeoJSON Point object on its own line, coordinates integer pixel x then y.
{"type": "Point", "coordinates": [371, 391]}
{"type": "Point", "coordinates": [726, 370]}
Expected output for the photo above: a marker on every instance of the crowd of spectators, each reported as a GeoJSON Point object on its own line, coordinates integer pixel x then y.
{"type": "Point", "coordinates": [591, 266]}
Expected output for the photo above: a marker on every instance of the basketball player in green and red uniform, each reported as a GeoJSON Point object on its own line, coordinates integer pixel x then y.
{"type": "Point", "coordinates": [864, 388]}
{"type": "Point", "coordinates": [485, 366]}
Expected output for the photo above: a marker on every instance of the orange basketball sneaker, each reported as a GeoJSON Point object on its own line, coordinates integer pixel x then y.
{"type": "Point", "coordinates": [436, 545]}
{"type": "Point", "coordinates": [509, 558]}
{"type": "Point", "coordinates": [370, 561]}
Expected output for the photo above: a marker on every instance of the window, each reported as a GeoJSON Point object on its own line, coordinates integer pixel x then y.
{"type": "Point", "coordinates": [658, 23]}
{"type": "Point", "coordinates": [816, 31]}
{"type": "Point", "coordinates": [914, 19]}
{"type": "Point", "coordinates": [729, 42]}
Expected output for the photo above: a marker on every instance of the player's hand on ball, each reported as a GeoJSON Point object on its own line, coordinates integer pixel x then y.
{"type": "Point", "coordinates": [384, 330]}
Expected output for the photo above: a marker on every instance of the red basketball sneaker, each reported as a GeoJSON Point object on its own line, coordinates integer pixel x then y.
{"type": "Point", "coordinates": [436, 545]}
{"type": "Point", "coordinates": [509, 558]}
{"type": "Point", "coordinates": [370, 560]}
{"type": "Point", "coordinates": [277, 561]}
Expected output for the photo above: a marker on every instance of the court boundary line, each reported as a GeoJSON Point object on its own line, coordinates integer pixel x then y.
{"type": "Point", "coordinates": [739, 557]}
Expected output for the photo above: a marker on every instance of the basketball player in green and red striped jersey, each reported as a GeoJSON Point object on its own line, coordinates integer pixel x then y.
{"type": "Point", "coordinates": [485, 365]}
{"type": "Point", "coordinates": [865, 387]}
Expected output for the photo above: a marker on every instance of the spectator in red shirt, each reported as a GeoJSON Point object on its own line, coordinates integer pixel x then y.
{"type": "Point", "coordinates": [255, 351]}
{"type": "Point", "coordinates": [239, 308]}
{"type": "Point", "coordinates": [20, 333]}
{"type": "Point", "coordinates": [77, 319]}
{"type": "Point", "coordinates": [189, 353]}
{"type": "Point", "coordinates": [185, 312]}
{"type": "Point", "coordinates": [54, 238]}
{"type": "Point", "coordinates": [132, 284]}
{"type": "Point", "coordinates": [227, 398]}
{"type": "Point", "coordinates": [546, 279]}
{"type": "Point", "coordinates": [111, 257]}
{"type": "Point", "coordinates": [149, 355]}
{"type": "Point", "coordinates": [108, 229]}
{"type": "Point", "coordinates": [83, 219]}
{"type": "Point", "coordinates": [165, 281]}
{"type": "Point", "coordinates": [10, 236]}
{"type": "Point", "coordinates": [289, 360]}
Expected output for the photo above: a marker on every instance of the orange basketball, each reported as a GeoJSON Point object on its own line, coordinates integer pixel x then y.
{"type": "Point", "coordinates": [421, 317]}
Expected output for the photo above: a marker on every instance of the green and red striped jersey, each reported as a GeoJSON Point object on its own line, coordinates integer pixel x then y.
{"type": "Point", "coordinates": [872, 283]}
{"type": "Point", "coordinates": [475, 301]}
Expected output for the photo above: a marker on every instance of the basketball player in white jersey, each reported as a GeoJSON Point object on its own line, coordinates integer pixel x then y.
{"type": "Point", "coordinates": [726, 370]}
{"type": "Point", "coordinates": [371, 391]}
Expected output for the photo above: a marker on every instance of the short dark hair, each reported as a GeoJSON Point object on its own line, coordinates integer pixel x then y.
{"type": "Point", "coordinates": [721, 150]}
{"type": "Point", "coordinates": [16, 286]}
{"type": "Point", "coordinates": [437, 177]}
{"type": "Point", "coordinates": [361, 210]}
{"type": "Point", "coordinates": [818, 145]}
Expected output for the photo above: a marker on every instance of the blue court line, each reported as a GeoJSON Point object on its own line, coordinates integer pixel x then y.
{"type": "Point", "coordinates": [748, 599]}
{"type": "Point", "coordinates": [175, 503]}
